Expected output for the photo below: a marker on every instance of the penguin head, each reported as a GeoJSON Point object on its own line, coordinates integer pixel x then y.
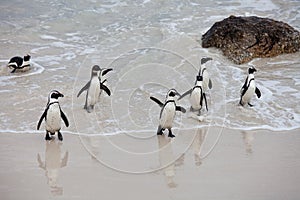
{"type": "Point", "coordinates": [95, 70]}
{"type": "Point", "coordinates": [27, 57]}
{"type": "Point", "coordinates": [54, 94]}
{"type": "Point", "coordinates": [172, 93]}
{"type": "Point", "coordinates": [205, 59]}
{"type": "Point", "coordinates": [251, 70]}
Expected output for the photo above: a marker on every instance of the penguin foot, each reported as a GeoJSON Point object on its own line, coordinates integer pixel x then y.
{"type": "Point", "coordinates": [171, 135]}
{"type": "Point", "coordinates": [250, 104]}
{"type": "Point", "coordinates": [160, 133]}
{"type": "Point", "coordinates": [60, 137]}
{"type": "Point", "coordinates": [48, 137]}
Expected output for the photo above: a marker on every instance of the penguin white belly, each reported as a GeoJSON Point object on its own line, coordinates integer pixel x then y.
{"type": "Point", "coordinates": [94, 92]}
{"type": "Point", "coordinates": [167, 116]}
{"type": "Point", "coordinates": [53, 122]}
{"type": "Point", "coordinates": [195, 99]}
{"type": "Point", "coordinates": [249, 93]}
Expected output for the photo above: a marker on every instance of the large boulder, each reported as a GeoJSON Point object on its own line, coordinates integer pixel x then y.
{"type": "Point", "coordinates": [243, 38]}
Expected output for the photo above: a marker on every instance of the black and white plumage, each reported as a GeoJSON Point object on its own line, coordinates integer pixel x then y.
{"type": "Point", "coordinates": [53, 115]}
{"type": "Point", "coordinates": [197, 95]}
{"type": "Point", "coordinates": [93, 88]}
{"type": "Point", "coordinates": [168, 111]}
{"type": "Point", "coordinates": [103, 80]}
{"type": "Point", "coordinates": [19, 63]}
{"type": "Point", "coordinates": [249, 88]}
{"type": "Point", "coordinates": [207, 83]}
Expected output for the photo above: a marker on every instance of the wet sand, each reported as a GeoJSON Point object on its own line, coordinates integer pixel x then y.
{"type": "Point", "coordinates": [242, 165]}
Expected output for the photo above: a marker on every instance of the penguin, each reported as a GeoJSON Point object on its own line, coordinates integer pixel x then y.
{"type": "Point", "coordinates": [197, 95]}
{"type": "Point", "coordinates": [207, 84]}
{"type": "Point", "coordinates": [249, 88]}
{"type": "Point", "coordinates": [167, 112]}
{"type": "Point", "coordinates": [53, 115]}
{"type": "Point", "coordinates": [19, 63]}
{"type": "Point", "coordinates": [103, 80]}
{"type": "Point", "coordinates": [94, 87]}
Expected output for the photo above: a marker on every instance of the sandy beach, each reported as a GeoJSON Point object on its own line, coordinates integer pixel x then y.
{"type": "Point", "coordinates": [243, 165]}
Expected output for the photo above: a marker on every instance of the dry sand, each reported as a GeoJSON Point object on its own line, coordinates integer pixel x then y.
{"type": "Point", "coordinates": [243, 165]}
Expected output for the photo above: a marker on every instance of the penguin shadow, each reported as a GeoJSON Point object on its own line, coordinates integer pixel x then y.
{"type": "Point", "coordinates": [248, 138]}
{"type": "Point", "coordinates": [167, 160]}
{"type": "Point", "coordinates": [197, 146]}
{"type": "Point", "coordinates": [52, 164]}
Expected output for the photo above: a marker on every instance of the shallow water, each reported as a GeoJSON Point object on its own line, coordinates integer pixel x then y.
{"type": "Point", "coordinates": [152, 46]}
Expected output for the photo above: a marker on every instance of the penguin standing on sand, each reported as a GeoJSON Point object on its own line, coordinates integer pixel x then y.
{"type": "Point", "coordinates": [53, 115]}
{"type": "Point", "coordinates": [167, 112]}
{"type": "Point", "coordinates": [19, 63]}
{"type": "Point", "coordinates": [207, 84]}
{"type": "Point", "coordinates": [249, 88]}
{"type": "Point", "coordinates": [197, 95]}
{"type": "Point", "coordinates": [93, 87]}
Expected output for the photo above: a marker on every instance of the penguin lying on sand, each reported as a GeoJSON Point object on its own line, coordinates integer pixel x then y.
{"type": "Point", "coordinates": [19, 63]}
{"type": "Point", "coordinates": [94, 87]}
{"type": "Point", "coordinates": [167, 112]}
{"type": "Point", "coordinates": [53, 115]}
{"type": "Point", "coordinates": [197, 95]}
{"type": "Point", "coordinates": [249, 88]}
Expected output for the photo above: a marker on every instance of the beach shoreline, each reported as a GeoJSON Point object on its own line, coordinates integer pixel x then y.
{"type": "Point", "coordinates": [243, 165]}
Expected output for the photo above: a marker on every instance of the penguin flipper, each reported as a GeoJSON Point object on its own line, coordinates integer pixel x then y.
{"type": "Point", "coordinates": [106, 71]}
{"type": "Point", "coordinates": [84, 88]}
{"type": "Point", "coordinates": [157, 101]}
{"type": "Point", "coordinates": [186, 93]}
{"type": "Point", "coordinates": [41, 119]}
{"type": "Point", "coordinates": [204, 96]}
{"type": "Point", "coordinates": [64, 117]}
{"type": "Point", "coordinates": [209, 84]}
{"type": "Point", "coordinates": [103, 87]}
{"type": "Point", "coordinates": [182, 109]}
{"type": "Point", "coordinates": [243, 89]}
{"type": "Point", "coordinates": [257, 92]}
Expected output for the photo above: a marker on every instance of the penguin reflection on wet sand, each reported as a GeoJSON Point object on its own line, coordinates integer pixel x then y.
{"type": "Point", "coordinates": [94, 87]}
{"type": "Point", "coordinates": [52, 164]}
{"type": "Point", "coordinates": [249, 88]}
{"type": "Point", "coordinates": [168, 111]}
{"type": "Point", "coordinates": [53, 115]}
{"type": "Point", "coordinates": [197, 95]}
{"type": "Point", "coordinates": [19, 63]}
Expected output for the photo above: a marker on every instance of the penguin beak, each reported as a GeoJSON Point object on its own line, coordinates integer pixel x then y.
{"type": "Point", "coordinates": [60, 95]}
{"type": "Point", "coordinates": [105, 71]}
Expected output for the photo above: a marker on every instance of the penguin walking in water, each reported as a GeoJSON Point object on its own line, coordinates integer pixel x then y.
{"type": "Point", "coordinates": [94, 87]}
{"type": "Point", "coordinates": [53, 115]}
{"type": "Point", "coordinates": [168, 111]}
{"type": "Point", "coordinates": [207, 84]}
{"type": "Point", "coordinates": [19, 63]}
{"type": "Point", "coordinates": [197, 96]}
{"type": "Point", "coordinates": [249, 88]}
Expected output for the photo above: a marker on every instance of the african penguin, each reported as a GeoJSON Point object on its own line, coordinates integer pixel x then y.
{"type": "Point", "coordinates": [93, 88]}
{"type": "Point", "coordinates": [249, 88]}
{"type": "Point", "coordinates": [53, 115]}
{"type": "Point", "coordinates": [167, 112]}
{"type": "Point", "coordinates": [19, 63]}
{"type": "Point", "coordinates": [197, 95]}
{"type": "Point", "coordinates": [207, 84]}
